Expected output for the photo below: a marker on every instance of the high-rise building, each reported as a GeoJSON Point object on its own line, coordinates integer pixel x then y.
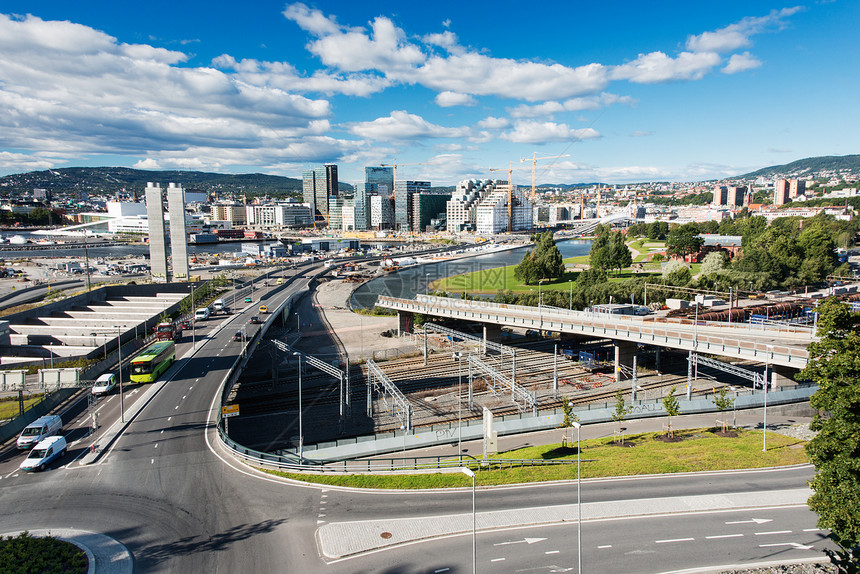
{"type": "Point", "coordinates": [157, 236]}
{"type": "Point", "coordinates": [318, 185]}
{"type": "Point", "coordinates": [428, 207]}
{"type": "Point", "coordinates": [381, 212]}
{"type": "Point", "coordinates": [178, 233]}
{"type": "Point", "coordinates": [780, 192]}
{"type": "Point", "coordinates": [403, 192]}
{"type": "Point", "coordinates": [492, 212]}
{"type": "Point", "coordinates": [735, 196]}
{"type": "Point", "coordinates": [461, 210]}
{"type": "Point", "coordinates": [796, 187]}
{"type": "Point", "coordinates": [379, 180]}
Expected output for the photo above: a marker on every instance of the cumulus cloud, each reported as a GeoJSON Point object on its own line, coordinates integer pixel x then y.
{"type": "Point", "coordinates": [641, 134]}
{"type": "Point", "coordinates": [737, 35]}
{"type": "Point", "coordinates": [401, 125]}
{"type": "Point", "coordinates": [536, 111]}
{"type": "Point", "coordinates": [493, 123]}
{"type": "Point", "coordinates": [528, 131]}
{"type": "Point", "coordinates": [658, 67]}
{"type": "Point", "coordinates": [450, 99]}
{"type": "Point", "coordinates": [73, 90]}
{"type": "Point", "coordinates": [548, 109]}
{"type": "Point", "coordinates": [740, 63]}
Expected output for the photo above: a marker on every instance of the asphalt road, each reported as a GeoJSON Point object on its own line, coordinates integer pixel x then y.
{"type": "Point", "coordinates": [167, 490]}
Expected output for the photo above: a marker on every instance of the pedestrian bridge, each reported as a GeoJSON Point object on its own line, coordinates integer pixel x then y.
{"type": "Point", "coordinates": [777, 345]}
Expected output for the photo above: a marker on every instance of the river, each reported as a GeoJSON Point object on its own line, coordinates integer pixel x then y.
{"type": "Point", "coordinates": [407, 282]}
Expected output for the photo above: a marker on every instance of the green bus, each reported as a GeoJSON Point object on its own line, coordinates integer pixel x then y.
{"type": "Point", "coordinates": [154, 360]}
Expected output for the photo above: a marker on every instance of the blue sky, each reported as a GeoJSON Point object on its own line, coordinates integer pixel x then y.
{"type": "Point", "coordinates": [626, 91]}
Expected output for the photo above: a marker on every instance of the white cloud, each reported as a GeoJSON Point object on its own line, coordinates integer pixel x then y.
{"type": "Point", "coordinates": [72, 90]}
{"type": "Point", "coordinates": [548, 109]}
{"type": "Point", "coordinates": [450, 99]}
{"type": "Point", "coordinates": [446, 39]}
{"type": "Point", "coordinates": [658, 67]}
{"type": "Point", "coordinates": [528, 131]}
{"type": "Point", "coordinates": [641, 134]}
{"type": "Point", "coordinates": [401, 125]}
{"type": "Point", "coordinates": [740, 63]}
{"type": "Point", "coordinates": [352, 49]}
{"type": "Point", "coordinates": [536, 111]}
{"type": "Point", "coordinates": [737, 35]}
{"type": "Point", "coordinates": [23, 162]}
{"type": "Point", "coordinates": [494, 123]}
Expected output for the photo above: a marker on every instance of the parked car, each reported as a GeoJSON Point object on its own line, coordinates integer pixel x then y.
{"type": "Point", "coordinates": [186, 325]}
{"type": "Point", "coordinates": [45, 452]}
{"type": "Point", "coordinates": [104, 384]}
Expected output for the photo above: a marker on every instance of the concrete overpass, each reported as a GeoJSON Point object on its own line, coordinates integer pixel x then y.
{"type": "Point", "coordinates": [780, 346]}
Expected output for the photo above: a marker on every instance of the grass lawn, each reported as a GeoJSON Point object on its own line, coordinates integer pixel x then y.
{"type": "Point", "coordinates": [697, 450]}
{"type": "Point", "coordinates": [9, 409]}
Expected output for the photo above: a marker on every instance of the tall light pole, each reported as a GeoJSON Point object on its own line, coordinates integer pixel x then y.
{"type": "Point", "coordinates": [193, 326]}
{"type": "Point", "coordinates": [301, 435]}
{"type": "Point", "coordinates": [578, 499]}
{"type": "Point", "coordinates": [470, 474]}
{"type": "Point", "coordinates": [426, 284]}
{"type": "Point", "coordinates": [766, 385]}
{"type": "Point", "coordinates": [119, 374]}
{"type": "Point", "coordinates": [458, 356]}
{"type": "Point", "coordinates": [571, 294]}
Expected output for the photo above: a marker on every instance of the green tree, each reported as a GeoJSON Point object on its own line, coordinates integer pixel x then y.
{"type": "Point", "coordinates": [621, 412]}
{"type": "Point", "coordinates": [599, 257]}
{"type": "Point", "coordinates": [619, 254]}
{"type": "Point", "coordinates": [569, 417]}
{"type": "Point", "coordinates": [672, 408]}
{"type": "Point", "coordinates": [683, 241]}
{"type": "Point", "coordinates": [723, 402]}
{"type": "Point", "coordinates": [714, 261]}
{"type": "Point", "coordinates": [834, 365]}
{"type": "Point", "coordinates": [528, 271]}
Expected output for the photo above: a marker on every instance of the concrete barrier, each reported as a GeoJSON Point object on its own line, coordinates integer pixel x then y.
{"type": "Point", "coordinates": [16, 425]}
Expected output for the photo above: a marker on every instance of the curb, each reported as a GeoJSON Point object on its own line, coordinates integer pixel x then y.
{"type": "Point", "coordinates": [106, 555]}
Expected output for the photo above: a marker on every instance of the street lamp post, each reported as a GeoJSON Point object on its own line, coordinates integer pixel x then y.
{"type": "Point", "coordinates": [570, 305]}
{"type": "Point", "coordinates": [426, 283]}
{"type": "Point", "coordinates": [470, 474]}
{"type": "Point", "coordinates": [193, 326]}
{"type": "Point", "coordinates": [301, 434]}
{"type": "Point", "coordinates": [458, 356]}
{"type": "Point", "coordinates": [764, 416]}
{"type": "Point", "coordinates": [578, 498]}
{"type": "Point", "coordinates": [119, 374]}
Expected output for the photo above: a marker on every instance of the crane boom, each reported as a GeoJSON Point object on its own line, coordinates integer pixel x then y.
{"type": "Point", "coordinates": [534, 161]}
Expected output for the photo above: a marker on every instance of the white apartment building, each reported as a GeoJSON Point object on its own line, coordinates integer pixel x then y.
{"type": "Point", "coordinates": [381, 212]}
{"type": "Point", "coordinates": [235, 213]}
{"type": "Point", "coordinates": [279, 215]}
{"type": "Point", "coordinates": [492, 212]}
{"type": "Point", "coordinates": [461, 210]}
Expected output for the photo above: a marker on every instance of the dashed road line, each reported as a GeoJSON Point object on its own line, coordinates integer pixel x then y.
{"type": "Point", "coordinates": [773, 532]}
{"type": "Point", "coordinates": [552, 551]}
{"type": "Point", "coordinates": [604, 546]}
{"type": "Point", "coordinates": [497, 560]}
{"type": "Point", "coordinates": [674, 540]}
{"type": "Point", "coordinates": [723, 536]}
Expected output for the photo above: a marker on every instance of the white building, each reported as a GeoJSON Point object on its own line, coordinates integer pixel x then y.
{"type": "Point", "coordinates": [492, 212]}
{"type": "Point", "coordinates": [462, 208]}
{"type": "Point", "coordinates": [381, 212]}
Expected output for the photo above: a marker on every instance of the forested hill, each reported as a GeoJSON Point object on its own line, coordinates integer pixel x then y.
{"type": "Point", "coordinates": [93, 180]}
{"type": "Point", "coordinates": [809, 166]}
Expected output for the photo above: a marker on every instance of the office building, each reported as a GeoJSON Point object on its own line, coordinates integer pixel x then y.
{"type": "Point", "coordinates": [318, 186]}
{"type": "Point", "coordinates": [780, 192]}
{"type": "Point", "coordinates": [403, 210]}
{"type": "Point", "coordinates": [381, 212]}
{"type": "Point", "coordinates": [379, 180]}
{"type": "Point", "coordinates": [428, 207]}
{"type": "Point", "coordinates": [233, 212]}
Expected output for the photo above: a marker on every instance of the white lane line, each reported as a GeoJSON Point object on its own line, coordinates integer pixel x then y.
{"type": "Point", "coordinates": [674, 540]}
{"type": "Point", "coordinates": [191, 387]}
{"type": "Point", "coordinates": [811, 529]}
{"type": "Point", "coordinates": [604, 546]}
{"type": "Point", "coordinates": [152, 461]}
{"type": "Point", "coordinates": [176, 407]}
{"type": "Point", "coordinates": [773, 532]}
{"type": "Point", "coordinates": [156, 445]}
{"type": "Point", "coordinates": [183, 397]}
{"type": "Point", "coordinates": [723, 536]}
{"type": "Point", "coordinates": [196, 380]}
{"type": "Point", "coordinates": [168, 419]}
{"type": "Point", "coordinates": [441, 570]}
{"type": "Point", "coordinates": [320, 521]}
{"type": "Point", "coordinates": [552, 551]}
{"type": "Point", "coordinates": [11, 473]}
{"type": "Point", "coordinates": [497, 560]}
{"type": "Point", "coordinates": [162, 431]}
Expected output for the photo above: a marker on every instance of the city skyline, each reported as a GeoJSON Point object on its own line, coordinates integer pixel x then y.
{"type": "Point", "coordinates": [626, 93]}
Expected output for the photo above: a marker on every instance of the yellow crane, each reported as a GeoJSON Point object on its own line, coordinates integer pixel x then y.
{"type": "Point", "coordinates": [534, 159]}
{"type": "Point", "coordinates": [395, 164]}
{"type": "Point", "coordinates": [510, 192]}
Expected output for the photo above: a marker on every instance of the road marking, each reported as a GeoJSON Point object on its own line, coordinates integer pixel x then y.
{"type": "Point", "coordinates": [675, 540]}
{"type": "Point", "coordinates": [525, 540]}
{"type": "Point", "coordinates": [183, 397]}
{"type": "Point", "coordinates": [441, 570]}
{"type": "Point", "coordinates": [497, 560]}
{"type": "Point", "coordinates": [811, 529]}
{"type": "Point", "coordinates": [176, 407]}
{"type": "Point", "coordinates": [774, 532]}
{"type": "Point", "coordinates": [605, 546]}
{"type": "Point", "coordinates": [323, 501]}
{"type": "Point", "coordinates": [756, 520]}
{"type": "Point", "coordinates": [723, 536]}
{"type": "Point", "coordinates": [552, 551]}
{"type": "Point", "coordinates": [152, 461]}
{"type": "Point", "coordinates": [156, 445]}
{"type": "Point", "coordinates": [320, 521]}
{"type": "Point", "coordinates": [196, 380]}
{"type": "Point", "coordinates": [168, 419]}
{"type": "Point", "coordinates": [191, 387]}
{"type": "Point", "coordinates": [162, 431]}
{"type": "Point", "coordinates": [794, 544]}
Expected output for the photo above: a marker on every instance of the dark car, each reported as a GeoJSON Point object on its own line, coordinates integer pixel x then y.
{"type": "Point", "coordinates": [237, 336]}
{"type": "Point", "coordinates": [255, 320]}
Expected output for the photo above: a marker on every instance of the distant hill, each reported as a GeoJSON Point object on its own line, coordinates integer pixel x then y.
{"type": "Point", "coordinates": [95, 180]}
{"type": "Point", "coordinates": [809, 166]}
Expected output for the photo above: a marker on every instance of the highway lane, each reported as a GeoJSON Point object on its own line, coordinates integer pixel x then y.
{"type": "Point", "coordinates": [635, 545]}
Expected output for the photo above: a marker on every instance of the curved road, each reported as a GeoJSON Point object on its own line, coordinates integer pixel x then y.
{"type": "Point", "coordinates": [167, 490]}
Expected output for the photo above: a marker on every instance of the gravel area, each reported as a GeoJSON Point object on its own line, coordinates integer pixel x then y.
{"type": "Point", "coordinates": [799, 430]}
{"type": "Point", "coordinates": [816, 568]}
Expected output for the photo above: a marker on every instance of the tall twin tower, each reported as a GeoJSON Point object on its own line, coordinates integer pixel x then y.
{"type": "Point", "coordinates": [158, 235]}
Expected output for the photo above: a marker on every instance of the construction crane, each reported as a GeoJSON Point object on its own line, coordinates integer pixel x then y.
{"type": "Point", "coordinates": [395, 164]}
{"type": "Point", "coordinates": [534, 161]}
{"type": "Point", "coordinates": [510, 193]}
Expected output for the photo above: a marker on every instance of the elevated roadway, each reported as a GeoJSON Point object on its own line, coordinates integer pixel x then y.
{"type": "Point", "coordinates": [776, 345]}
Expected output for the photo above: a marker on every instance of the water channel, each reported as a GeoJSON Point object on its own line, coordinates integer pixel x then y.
{"type": "Point", "coordinates": [407, 282]}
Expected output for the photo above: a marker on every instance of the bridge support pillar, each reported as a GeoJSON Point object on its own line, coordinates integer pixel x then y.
{"type": "Point", "coordinates": [624, 352]}
{"type": "Point", "coordinates": [404, 322]}
{"type": "Point", "coordinates": [782, 377]}
{"type": "Point", "coordinates": [492, 333]}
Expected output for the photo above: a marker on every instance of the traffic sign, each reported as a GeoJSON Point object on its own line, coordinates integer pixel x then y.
{"type": "Point", "coordinates": [230, 411]}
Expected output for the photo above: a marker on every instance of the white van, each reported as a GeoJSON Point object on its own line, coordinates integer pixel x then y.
{"type": "Point", "coordinates": [40, 428]}
{"type": "Point", "coordinates": [201, 314]}
{"type": "Point", "coordinates": [218, 305]}
{"type": "Point", "coordinates": [44, 453]}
